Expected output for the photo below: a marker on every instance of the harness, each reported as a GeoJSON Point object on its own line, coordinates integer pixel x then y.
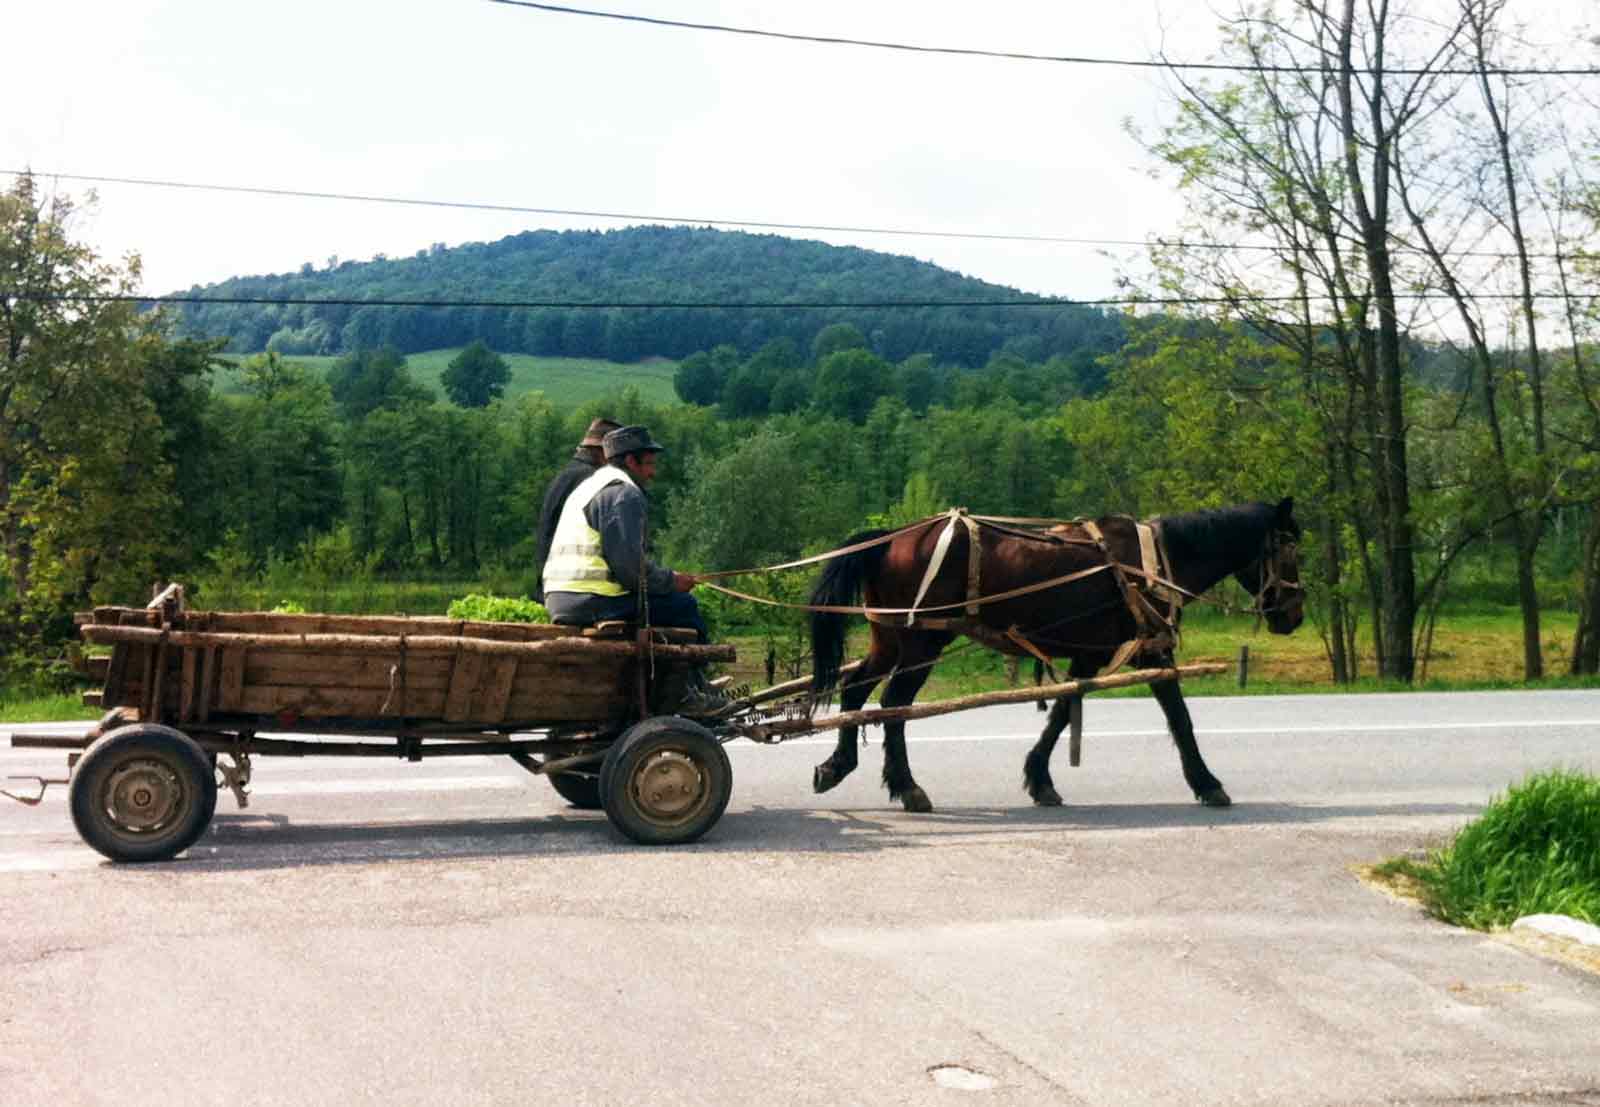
{"type": "Point", "coordinates": [1153, 599]}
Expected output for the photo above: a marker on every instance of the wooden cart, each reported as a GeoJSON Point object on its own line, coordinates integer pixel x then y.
{"type": "Point", "coordinates": [191, 696]}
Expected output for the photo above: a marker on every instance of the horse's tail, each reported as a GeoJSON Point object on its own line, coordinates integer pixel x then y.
{"type": "Point", "coordinates": [839, 586]}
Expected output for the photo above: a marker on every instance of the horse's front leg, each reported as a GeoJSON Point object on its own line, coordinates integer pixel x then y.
{"type": "Point", "coordinates": [901, 690]}
{"type": "Point", "coordinates": [1207, 788]}
{"type": "Point", "coordinates": [842, 761]}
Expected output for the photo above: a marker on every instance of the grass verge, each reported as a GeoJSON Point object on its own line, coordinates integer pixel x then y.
{"type": "Point", "coordinates": [1534, 850]}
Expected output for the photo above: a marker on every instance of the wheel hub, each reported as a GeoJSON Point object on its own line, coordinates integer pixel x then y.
{"type": "Point", "coordinates": [668, 785]}
{"type": "Point", "coordinates": [142, 796]}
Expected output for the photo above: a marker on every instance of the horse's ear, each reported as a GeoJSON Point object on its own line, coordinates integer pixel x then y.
{"type": "Point", "coordinates": [1286, 511]}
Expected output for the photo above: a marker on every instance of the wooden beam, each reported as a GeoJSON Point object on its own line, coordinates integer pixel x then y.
{"type": "Point", "coordinates": [872, 715]}
{"type": "Point", "coordinates": [568, 646]}
{"type": "Point", "coordinates": [497, 690]}
{"type": "Point", "coordinates": [191, 685]}
{"type": "Point", "coordinates": [208, 682]}
{"type": "Point", "coordinates": [464, 677]}
{"type": "Point", "coordinates": [231, 680]}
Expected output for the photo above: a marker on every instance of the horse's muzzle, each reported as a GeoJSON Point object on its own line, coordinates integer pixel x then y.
{"type": "Point", "coordinates": [1286, 612]}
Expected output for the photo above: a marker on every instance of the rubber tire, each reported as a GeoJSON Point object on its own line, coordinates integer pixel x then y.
{"type": "Point", "coordinates": [582, 792]}
{"type": "Point", "coordinates": [180, 755]}
{"type": "Point", "coordinates": [630, 753]}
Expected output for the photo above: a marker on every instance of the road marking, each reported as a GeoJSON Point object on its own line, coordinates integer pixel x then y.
{"type": "Point", "coordinates": [1222, 732]}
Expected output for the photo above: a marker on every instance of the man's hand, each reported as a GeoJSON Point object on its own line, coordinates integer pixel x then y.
{"type": "Point", "coordinates": [684, 582]}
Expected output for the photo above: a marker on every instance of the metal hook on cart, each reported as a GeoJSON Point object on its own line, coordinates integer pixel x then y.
{"type": "Point", "coordinates": [32, 801]}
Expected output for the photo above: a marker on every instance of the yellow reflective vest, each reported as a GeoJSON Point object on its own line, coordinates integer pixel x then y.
{"type": "Point", "coordinates": [577, 563]}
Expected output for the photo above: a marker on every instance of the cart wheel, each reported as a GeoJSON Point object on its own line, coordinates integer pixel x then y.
{"type": "Point", "coordinates": [582, 790]}
{"type": "Point", "coordinates": [143, 793]}
{"type": "Point", "coordinates": [665, 781]}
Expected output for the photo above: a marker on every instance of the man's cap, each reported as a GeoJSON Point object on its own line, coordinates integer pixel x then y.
{"type": "Point", "coordinates": [630, 440]}
{"type": "Point", "coordinates": [596, 434]}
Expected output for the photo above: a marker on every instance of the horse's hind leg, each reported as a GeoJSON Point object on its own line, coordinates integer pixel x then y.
{"type": "Point", "coordinates": [842, 761]}
{"type": "Point", "coordinates": [1036, 766]}
{"type": "Point", "coordinates": [1207, 788]}
{"type": "Point", "coordinates": [902, 689]}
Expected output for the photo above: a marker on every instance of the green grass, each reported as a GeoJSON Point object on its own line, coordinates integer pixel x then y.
{"type": "Point", "coordinates": [44, 708]}
{"type": "Point", "coordinates": [567, 382]}
{"type": "Point", "coordinates": [1534, 850]}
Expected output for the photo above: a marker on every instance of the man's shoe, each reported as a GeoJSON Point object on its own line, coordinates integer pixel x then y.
{"type": "Point", "coordinates": [703, 705]}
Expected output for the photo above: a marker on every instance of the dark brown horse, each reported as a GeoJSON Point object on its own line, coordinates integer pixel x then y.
{"type": "Point", "coordinates": [1085, 620]}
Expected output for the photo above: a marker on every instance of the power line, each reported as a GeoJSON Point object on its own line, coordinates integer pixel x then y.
{"type": "Point", "coordinates": [293, 193]}
{"type": "Point", "coordinates": [1015, 55]}
{"type": "Point", "coordinates": [633, 217]}
{"type": "Point", "coordinates": [727, 305]}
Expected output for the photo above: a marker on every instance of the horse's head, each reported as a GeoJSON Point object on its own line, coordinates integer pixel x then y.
{"type": "Point", "coordinates": [1274, 577]}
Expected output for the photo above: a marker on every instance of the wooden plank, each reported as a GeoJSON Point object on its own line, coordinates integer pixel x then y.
{"type": "Point", "coordinates": [190, 686]}
{"type": "Point", "coordinates": [325, 703]}
{"type": "Point", "coordinates": [92, 699]}
{"type": "Point", "coordinates": [269, 666]}
{"type": "Point", "coordinates": [230, 692]}
{"type": "Point", "coordinates": [463, 685]}
{"type": "Point", "coordinates": [117, 674]}
{"type": "Point", "coordinates": [563, 647]}
{"type": "Point", "coordinates": [496, 694]}
{"type": "Point", "coordinates": [208, 683]}
{"type": "Point", "coordinates": [257, 622]}
{"type": "Point", "coordinates": [148, 682]}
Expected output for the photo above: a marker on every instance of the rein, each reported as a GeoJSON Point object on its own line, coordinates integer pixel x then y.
{"type": "Point", "coordinates": [1133, 594]}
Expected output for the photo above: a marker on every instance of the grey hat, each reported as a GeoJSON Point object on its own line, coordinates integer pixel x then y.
{"type": "Point", "coordinates": [630, 440]}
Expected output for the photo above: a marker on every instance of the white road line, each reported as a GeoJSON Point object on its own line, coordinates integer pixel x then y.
{"type": "Point", "coordinates": [1289, 729]}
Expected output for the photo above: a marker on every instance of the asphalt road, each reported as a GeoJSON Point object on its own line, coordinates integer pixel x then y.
{"type": "Point", "coordinates": [450, 932]}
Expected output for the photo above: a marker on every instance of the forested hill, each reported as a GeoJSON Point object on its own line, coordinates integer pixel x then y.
{"type": "Point", "coordinates": [639, 264]}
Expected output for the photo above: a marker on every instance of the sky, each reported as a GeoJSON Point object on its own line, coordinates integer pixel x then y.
{"type": "Point", "coordinates": [478, 102]}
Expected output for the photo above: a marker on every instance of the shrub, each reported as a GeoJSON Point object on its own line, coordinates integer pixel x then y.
{"type": "Point", "coordinates": [1534, 850]}
{"type": "Point", "coordinates": [480, 608]}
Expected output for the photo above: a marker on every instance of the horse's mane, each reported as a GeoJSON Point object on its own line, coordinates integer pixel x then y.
{"type": "Point", "coordinates": [1238, 529]}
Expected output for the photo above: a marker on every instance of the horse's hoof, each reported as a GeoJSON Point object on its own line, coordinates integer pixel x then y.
{"type": "Point", "coordinates": [1215, 797]}
{"type": "Point", "coordinates": [1049, 797]}
{"type": "Point", "coordinates": [917, 802]}
{"type": "Point", "coordinates": [824, 777]}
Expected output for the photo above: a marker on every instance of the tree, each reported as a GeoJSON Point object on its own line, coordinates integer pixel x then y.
{"type": "Point", "coordinates": [1306, 150]}
{"type": "Point", "coordinates": [281, 476]}
{"type": "Point", "coordinates": [364, 381]}
{"type": "Point", "coordinates": [476, 376]}
{"type": "Point", "coordinates": [700, 378]}
{"type": "Point", "coordinates": [849, 382]}
{"type": "Point", "coordinates": [86, 504]}
{"type": "Point", "coordinates": [834, 338]}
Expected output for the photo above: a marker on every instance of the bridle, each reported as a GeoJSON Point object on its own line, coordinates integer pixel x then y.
{"type": "Point", "coordinates": [1278, 546]}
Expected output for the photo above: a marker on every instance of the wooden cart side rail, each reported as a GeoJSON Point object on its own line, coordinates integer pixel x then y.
{"type": "Point", "coordinates": [400, 746]}
{"type": "Point", "coordinates": [280, 622]}
{"type": "Point", "coordinates": [568, 646]}
{"type": "Point", "coordinates": [787, 728]}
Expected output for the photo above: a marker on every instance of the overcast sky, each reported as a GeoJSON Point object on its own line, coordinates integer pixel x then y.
{"type": "Point", "coordinates": [466, 100]}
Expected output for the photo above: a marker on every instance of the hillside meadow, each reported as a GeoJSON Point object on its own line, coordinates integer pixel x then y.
{"type": "Point", "coordinates": [567, 382]}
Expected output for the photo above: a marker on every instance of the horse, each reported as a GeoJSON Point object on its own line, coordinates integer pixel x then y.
{"type": "Point", "coordinates": [1078, 591]}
